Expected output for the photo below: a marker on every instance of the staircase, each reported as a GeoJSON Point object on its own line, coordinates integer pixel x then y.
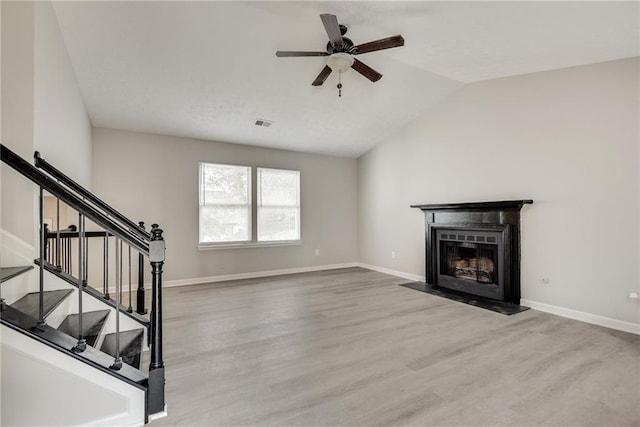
{"type": "Point", "coordinates": [63, 336]}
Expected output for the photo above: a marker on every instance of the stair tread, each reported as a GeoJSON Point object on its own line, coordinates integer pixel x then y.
{"type": "Point", "coordinates": [30, 303]}
{"type": "Point", "coordinates": [92, 324]}
{"type": "Point", "coordinates": [89, 290]}
{"type": "Point", "coordinates": [130, 346]}
{"type": "Point", "coordinates": [61, 340]}
{"type": "Point", "coordinates": [7, 273]}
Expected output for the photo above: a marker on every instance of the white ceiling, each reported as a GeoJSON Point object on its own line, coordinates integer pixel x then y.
{"type": "Point", "coordinates": [208, 69]}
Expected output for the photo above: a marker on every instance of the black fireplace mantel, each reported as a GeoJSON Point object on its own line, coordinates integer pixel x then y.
{"type": "Point", "coordinates": [504, 205]}
{"type": "Point", "coordinates": [497, 216]}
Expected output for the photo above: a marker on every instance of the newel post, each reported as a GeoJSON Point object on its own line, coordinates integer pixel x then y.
{"type": "Point", "coordinates": [156, 367]}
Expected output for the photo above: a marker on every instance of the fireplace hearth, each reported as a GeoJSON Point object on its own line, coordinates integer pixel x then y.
{"type": "Point", "coordinates": [473, 250]}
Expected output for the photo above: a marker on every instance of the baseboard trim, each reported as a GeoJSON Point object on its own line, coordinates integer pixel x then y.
{"type": "Point", "coordinates": [594, 319]}
{"type": "Point", "coordinates": [547, 308]}
{"type": "Point", "coordinates": [158, 415]}
{"type": "Point", "coordinates": [254, 274]}
{"type": "Point", "coordinates": [409, 276]}
{"type": "Point", "coordinates": [569, 313]}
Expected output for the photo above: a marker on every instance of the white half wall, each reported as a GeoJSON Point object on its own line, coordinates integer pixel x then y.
{"type": "Point", "coordinates": [154, 178]}
{"type": "Point", "coordinates": [568, 139]}
{"type": "Point", "coordinates": [67, 391]}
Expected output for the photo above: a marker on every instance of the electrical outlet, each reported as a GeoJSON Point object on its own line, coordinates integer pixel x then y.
{"type": "Point", "coordinates": [633, 295]}
{"type": "Point", "coordinates": [393, 254]}
{"type": "Point", "coordinates": [317, 252]}
{"type": "Point", "coordinates": [544, 280]}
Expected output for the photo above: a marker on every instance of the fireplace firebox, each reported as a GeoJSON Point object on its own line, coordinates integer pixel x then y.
{"type": "Point", "coordinates": [474, 248]}
{"type": "Point", "coordinates": [471, 261]}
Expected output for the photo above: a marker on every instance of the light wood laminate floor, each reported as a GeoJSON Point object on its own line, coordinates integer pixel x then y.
{"type": "Point", "coordinates": [351, 347]}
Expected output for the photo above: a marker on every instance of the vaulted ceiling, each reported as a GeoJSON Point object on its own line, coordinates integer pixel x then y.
{"type": "Point", "coordinates": [208, 69]}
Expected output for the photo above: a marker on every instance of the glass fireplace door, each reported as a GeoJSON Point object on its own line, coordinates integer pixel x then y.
{"type": "Point", "coordinates": [469, 261]}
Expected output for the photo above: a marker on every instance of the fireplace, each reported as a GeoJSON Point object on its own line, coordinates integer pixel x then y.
{"type": "Point", "coordinates": [474, 248]}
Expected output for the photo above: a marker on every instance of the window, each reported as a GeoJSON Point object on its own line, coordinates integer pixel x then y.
{"type": "Point", "coordinates": [225, 203]}
{"type": "Point", "coordinates": [231, 213]}
{"type": "Point", "coordinates": [278, 205]}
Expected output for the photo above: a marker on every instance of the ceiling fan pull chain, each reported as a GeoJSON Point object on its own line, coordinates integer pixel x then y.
{"type": "Point", "coordinates": [340, 84]}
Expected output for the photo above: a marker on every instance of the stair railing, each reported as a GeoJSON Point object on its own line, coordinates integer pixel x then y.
{"type": "Point", "coordinates": [138, 229]}
{"type": "Point", "coordinates": [59, 252]}
{"type": "Point", "coordinates": [87, 195]}
{"type": "Point", "coordinates": [123, 230]}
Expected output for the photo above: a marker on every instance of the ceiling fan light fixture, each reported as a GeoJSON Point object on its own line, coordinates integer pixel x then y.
{"type": "Point", "coordinates": [340, 62]}
{"type": "Point", "coordinates": [340, 52]}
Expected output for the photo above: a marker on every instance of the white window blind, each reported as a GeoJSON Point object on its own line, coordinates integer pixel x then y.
{"type": "Point", "coordinates": [225, 203]}
{"type": "Point", "coordinates": [278, 202]}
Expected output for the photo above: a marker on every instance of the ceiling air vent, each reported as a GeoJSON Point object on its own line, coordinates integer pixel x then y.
{"type": "Point", "coordinates": [263, 123]}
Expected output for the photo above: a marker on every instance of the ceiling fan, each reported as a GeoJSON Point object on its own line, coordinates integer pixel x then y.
{"type": "Point", "coordinates": [341, 51]}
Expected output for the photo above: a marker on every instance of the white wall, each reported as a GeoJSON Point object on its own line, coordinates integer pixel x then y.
{"type": "Point", "coordinates": [17, 115]}
{"type": "Point", "coordinates": [568, 139]}
{"type": "Point", "coordinates": [62, 129]}
{"type": "Point", "coordinates": [155, 179]}
{"type": "Point", "coordinates": [42, 109]}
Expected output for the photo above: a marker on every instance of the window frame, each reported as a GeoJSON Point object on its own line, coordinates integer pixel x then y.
{"type": "Point", "coordinates": [258, 205]}
{"type": "Point", "coordinates": [249, 204]}
{"type": "Point", "coordinates": [253, 212]}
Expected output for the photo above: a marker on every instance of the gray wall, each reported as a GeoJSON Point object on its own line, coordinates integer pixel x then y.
{"type": "Point", "coordinates": [155, 178]}
{"type": "Point", "coordinates": [568, 139]}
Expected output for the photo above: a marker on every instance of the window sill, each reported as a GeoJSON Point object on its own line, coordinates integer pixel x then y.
{"type": "Point", "coordinates": [217, 246]}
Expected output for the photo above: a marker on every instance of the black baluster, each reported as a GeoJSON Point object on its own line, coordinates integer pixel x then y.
{"type": "Point", "coordinates": [140, 293]}
{"type": "Point", "coordinates": [63, 251]}
{"type": "Point", "coordinates": [70, 257]}
{"type": "Point", "coordinates": [82, 343]}
{"type": "Point", "coordinates": [58, 263]}
{"type": "Point", "coordinates": [50, 248]}
{"type": "Point", "coordinates": [119, 293]}
{"type": "Point", "coordinates": [43, 237]}
{"type": "Point", "coordinates": [105, 272]}
{"type": "Point", "coordinates": [156, 366]}
{"type": "Point", "coordinates": [117, 362]}
{"type": "Point", "coordinates": [85, 242]}
{"type": "Point", "coordinates": [47, 247]}
{"type": "Point", "coordinates": [69, 254]}
{"type": "Point", "coordinates": [130, 309]}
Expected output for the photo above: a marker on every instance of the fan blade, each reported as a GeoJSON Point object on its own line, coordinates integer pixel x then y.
{"type": "Point", "coordinates": [366, 71]}
{"type": "Point", "coordinates": [322, 76]}
{"type": "Point", "coordinates": [387, 43]}
{"type": "Point", "coordinates": [285, 54]}
{"type": "Point", "coordinates": [330, 23]}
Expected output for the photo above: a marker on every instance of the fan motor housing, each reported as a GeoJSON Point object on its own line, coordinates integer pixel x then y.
{"type": "Point", "coordinates": [346, 46]}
